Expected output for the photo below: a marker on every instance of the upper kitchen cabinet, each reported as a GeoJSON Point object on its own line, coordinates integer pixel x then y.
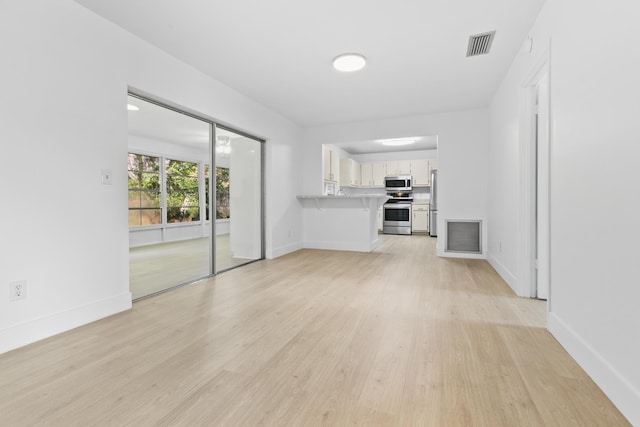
{"type": "Point", "coordinates": [349, 173]}
{"type": "Point", "coordinates": [421, 171]}
{"type": "Point", "coordinates": [373, 174]}
{"type": "Point", "coordinates": [331, 163]}
{"type": "Point", "coordinates": [366, 177]}
{"type": "Point", "coordinates": [399, 167]}
{"type": "Point", "coordinates": [378, 172]}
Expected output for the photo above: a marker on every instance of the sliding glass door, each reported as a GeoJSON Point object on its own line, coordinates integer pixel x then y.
{"type": "Point", "coordinates": [238, 199]}
{"type": "Point", "coordinates": [187, 219]}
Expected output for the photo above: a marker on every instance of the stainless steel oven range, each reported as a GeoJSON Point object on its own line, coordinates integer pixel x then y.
{"type": "Point", "coordinates": [397, 213]}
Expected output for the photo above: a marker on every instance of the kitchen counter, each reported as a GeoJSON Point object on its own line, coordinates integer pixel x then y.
{"type": "Point", "coordinates": [421, 201]}
{"type": "Point", "coordinates": [360, 200]}
{"type": "Point", "coordinates": [347, 223]}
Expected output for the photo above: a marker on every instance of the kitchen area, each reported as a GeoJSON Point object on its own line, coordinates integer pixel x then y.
{"type": "Point", "coordinates": [394, 181]}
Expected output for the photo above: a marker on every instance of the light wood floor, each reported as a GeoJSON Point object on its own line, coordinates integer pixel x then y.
{"type": "Point", "coordinates": [397, 337]}
{"type": "Point", "coordinates": [154, 268]}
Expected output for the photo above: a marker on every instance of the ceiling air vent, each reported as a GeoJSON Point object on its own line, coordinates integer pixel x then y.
{"type": "Point", "coordinates": [480, 44]}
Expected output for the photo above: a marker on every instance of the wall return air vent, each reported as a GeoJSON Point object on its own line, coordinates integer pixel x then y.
{"type": "Point", "coordinates": [480, 44]}
{"type": "Point", "coordinates": [463, 236]}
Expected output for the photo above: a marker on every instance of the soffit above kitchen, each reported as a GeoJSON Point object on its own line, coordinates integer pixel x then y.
{"type": "Point", "coordinates": [280, 52]}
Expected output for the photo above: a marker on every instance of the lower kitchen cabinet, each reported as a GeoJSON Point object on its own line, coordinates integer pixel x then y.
{"type": "Point", "coordinates": [420, 218]}
{"type": "Point", "coordinates": [380, 216]}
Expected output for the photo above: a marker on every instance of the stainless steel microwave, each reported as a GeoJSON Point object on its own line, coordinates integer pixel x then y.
{"type": "Point", "coordinates": [398, 183]}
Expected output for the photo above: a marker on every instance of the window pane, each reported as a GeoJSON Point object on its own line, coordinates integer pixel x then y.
{"type": "Point", "coordinates": [174, 214]}
{"type": "Point", "coordinates": [182, 214]}
{"type": "Point", "coordinates": [134, 218]}
{"type": "Point", "coordinates": [144, 174]}
{"type": "Point", "coordinates": [150, 181]}
{"type": "Point", "coordinates": [134, 179]}
{"type": "Point", "coordinates": [190, 184]}
{"type": "Point", "coordinates": [194, 214]}
{"type": "Point", "coordinates": [134, 200]}
{"type": "Point", "coordinates": [222, 193]}
{"type": "Point", "coordinates": [182, 199]}
{"type": "Point", "coordinates": [190, 199]}
{"type": "Point", "coordinates": [206, 190]}
{"type": "Point", "coordinates": [134, 162]}
{"type": "Point", "coordinates": [150, 216]}
{"type": "Point", "coordinates": [149, 199]}
{"type": "Point", "coordinates": [150, 164]}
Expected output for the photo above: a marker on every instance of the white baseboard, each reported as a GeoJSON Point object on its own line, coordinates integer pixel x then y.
{"type": "Point", "coordinates": [618, 389]}
{"type": "Point", "coordinates": [48, 326]}
{"type": "Point", "coordinates": [444, 254]}
{"type": "Point", "coordinates": [504, 272]}
{"type": "Point", "coordinates": [375, 244]}
{"type": "Point", "coordinates": [283, 250]}
{"type": "Point", "coordinates": [337, 246]}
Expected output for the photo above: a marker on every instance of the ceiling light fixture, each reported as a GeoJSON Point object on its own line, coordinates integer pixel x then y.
{"type": "Point", "coordinates": [397, 141]}
{"type": "Point", "coordinates": [132, 107]}
{"type": "Point", "coordinates": [349, 62]}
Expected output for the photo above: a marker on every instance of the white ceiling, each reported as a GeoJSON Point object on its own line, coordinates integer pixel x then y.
{"type": "Point", "coordinates": [279, 52]}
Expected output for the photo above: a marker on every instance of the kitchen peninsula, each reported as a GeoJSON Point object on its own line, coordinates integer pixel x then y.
{"type": "Point", "coordinates": [343, 223]}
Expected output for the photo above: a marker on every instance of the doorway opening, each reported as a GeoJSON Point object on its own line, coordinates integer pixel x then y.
{"type": "Point", "coordinates": [534, 259]}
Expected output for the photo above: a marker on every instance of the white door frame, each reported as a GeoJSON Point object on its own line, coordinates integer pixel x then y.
{"type": "Point", "coordinates": [534, 161]}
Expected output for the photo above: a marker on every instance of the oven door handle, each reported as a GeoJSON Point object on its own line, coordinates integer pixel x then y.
{"type": "Point", "coordinates": [398, 206]}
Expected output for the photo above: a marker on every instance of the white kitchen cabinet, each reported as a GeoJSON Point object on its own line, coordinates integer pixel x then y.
{"type": "Point", "coordinates": [349, 173]}
{"type": "Point", "coordinates": [380, 217]}
{"type": "Point", "coordinates": [391, 167]}
{"type": "Point", "coordinates": [372, 174]}
{"type": "Point", "coordinates": [398, 167]}
{"type": "Point", "coordinates": [355, 173]}
{"type": "Point", "coordinates": [420, 218]}
{"type": "Point", "coordinates": [366, 177]}
{"type": "Point", "coordinates": [331, 163]}
{"type": "Point", "coordinates": [433, 164]}
{"type": "Point", "coordinates": [404, 167]}
{"type": "Point", "coordinates": [378, 172]}
{"type": "Point", "coordinates": [420, 171]}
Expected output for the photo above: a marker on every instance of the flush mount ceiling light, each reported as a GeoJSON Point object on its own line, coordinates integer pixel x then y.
{"type": "Point", "coordinates": [349, 62]}
{"type": "Point", "coordinates": [132, 107]}
{"type": "Point", "coordinates": [397, 141]}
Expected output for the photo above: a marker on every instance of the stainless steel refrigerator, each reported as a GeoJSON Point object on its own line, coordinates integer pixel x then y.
{"type": "Point", "coordinates": [433, 205]}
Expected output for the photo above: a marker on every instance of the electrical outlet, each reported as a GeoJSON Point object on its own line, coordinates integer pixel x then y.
{"type": "Point", "coordinates": [17, 290]}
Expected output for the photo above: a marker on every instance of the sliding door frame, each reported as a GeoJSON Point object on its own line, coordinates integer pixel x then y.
{"type": "Point", "coordinates": [213, 126]}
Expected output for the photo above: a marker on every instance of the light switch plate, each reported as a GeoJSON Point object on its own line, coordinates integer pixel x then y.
{"type": "Point", "coordinates": [106, 176]}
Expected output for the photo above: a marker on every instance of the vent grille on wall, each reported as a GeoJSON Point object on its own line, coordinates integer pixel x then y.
{"type": "Point", "coordinates": [480, 44]}
{"type": "Point", "coordinates": [463, 236]}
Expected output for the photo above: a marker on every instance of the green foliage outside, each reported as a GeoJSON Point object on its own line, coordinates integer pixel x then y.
{"type": "Point", "coordinates": [182, 191]}
{"type": "Point", "coordinates": [222, 193]}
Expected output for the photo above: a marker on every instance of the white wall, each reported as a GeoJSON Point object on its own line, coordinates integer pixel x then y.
{"type": "Point", "coordinates": [595, 197]}
{"type": "Point", "coordinates": [463, 147]}
{"type": "Point", "coordinates": [399, 155]}
{"type": "Point", "coordinates": [63, 120]}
